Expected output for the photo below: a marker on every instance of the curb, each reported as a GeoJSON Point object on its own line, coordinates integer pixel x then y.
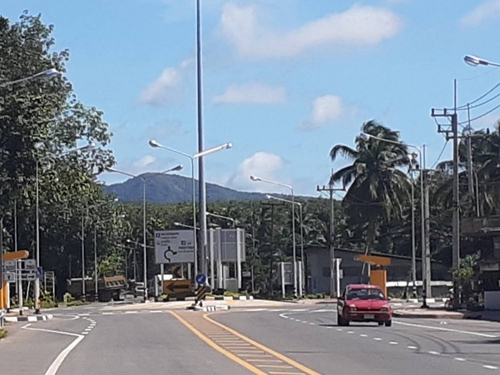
{"type": "Point", "coordinates": [224, 298]}
{"type": "Point", "coordinates": [428, 300]}
{"type": "Point", "coordinates": [31, 318]}
{"type": "Point", "coordinates": [427, 316]}
{"type": "Point", "coordinates": [208, 308]}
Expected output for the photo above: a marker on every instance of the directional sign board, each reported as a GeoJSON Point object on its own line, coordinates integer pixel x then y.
{"type": "Point", "coordinates": [174, 246]}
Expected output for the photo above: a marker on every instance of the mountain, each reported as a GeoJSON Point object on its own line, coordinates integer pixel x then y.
{"type": "Point", "coordinates": [171, 188]}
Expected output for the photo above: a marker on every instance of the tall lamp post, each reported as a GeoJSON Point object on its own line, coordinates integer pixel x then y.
{"type": "Point", "coordinates": [91, 145]}
{"type": "Point", "coordinates": [203, 216]}
{"type": "Point", "coordinates": [144, 217]}
{"type": "Point", "coordinates": [260, 179]}
{"type": "Point", "coordinates": [425, 250]}
{"type": "Point", "coordinates": [84, 216]}
{"type": "Point", "coordinates": [301, 291]}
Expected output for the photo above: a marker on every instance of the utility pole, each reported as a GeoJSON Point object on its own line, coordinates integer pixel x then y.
{"type": "Point", "coordinates": [427, 256]}
{"type": "Point", "coordinates": [334, 287]}
{"type": "Point", "coordinates": [453, 134]}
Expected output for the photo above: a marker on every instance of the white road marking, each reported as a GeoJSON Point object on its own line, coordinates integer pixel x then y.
{"type": "Point", "coordinates": [490, 367]}
{"type": "Point", "coordinates": [85, 333]}
{"type": "Point", "coordinates": [377, 339]}
{"type": "Point", "coordinates": [393, 343]}
{"type": "Point", "coordinates": [363, 335]}
{"type": "Point", "coordinates": [312, 324]}
{"type": "Point", "coordinates": [323, 310]}
{"type": "Point", "coordinates": [84, 314]}
{"type": "Point", "coordinates": [350, 332]}
{"type": "Point", "coordinates": [304, 322]}
{"type": "Point", "coordinates": [54, 366]}
{"type": "Point", "coordinates": [434, 353]}
{"type": "Point", "coordinates": [107, 313]}
{"type": "Point", "coordinates": [130, 312]}
{"type": "Point", "coordinates": [447, 329]}
{"type": "Point", "coordinates": [412, 347]}
{"type": "Point", "coordinates": [459, 359]}
{"type": "Point", "coordinates": [88, 329]}
{"type": "Point", "coordinates": [155, 311]}
{"type": "Point", "coordinates": [339, 329]}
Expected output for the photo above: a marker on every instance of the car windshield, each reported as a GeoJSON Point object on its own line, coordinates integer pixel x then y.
{"type": "Point", "coordinates": [365, 293]}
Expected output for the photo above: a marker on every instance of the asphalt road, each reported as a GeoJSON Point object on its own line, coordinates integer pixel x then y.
{"type": "Point", "coordinates": [410, 346]}
{"type": "Point", "coordinates": [273, 341]}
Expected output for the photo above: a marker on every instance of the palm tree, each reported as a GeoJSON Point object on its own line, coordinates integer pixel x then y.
{"type": "Point", "coordinates": [377, 187]}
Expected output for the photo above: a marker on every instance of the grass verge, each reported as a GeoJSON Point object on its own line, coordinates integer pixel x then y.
{"type": "Point", "coordinates": [3, 333]}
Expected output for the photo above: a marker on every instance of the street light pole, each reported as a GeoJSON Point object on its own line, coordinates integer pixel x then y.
{"type": "Point", "coordinates": [301, 291]}
{"type": "Point", "coordinates": [425, 251]}
{"type": "Point", "coordinates": [203, 220]}
{"type": "Point", "coordinates": [45, 74]}
{"type": "Point", "coordinates": [144, 227]}
{"type": "Point", "coordinates": [255, 178]}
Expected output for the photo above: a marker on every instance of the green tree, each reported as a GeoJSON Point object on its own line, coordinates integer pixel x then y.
{"type": "Point", "coordinates": [378, 189]}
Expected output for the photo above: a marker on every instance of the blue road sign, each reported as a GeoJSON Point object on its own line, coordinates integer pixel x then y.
{"type": "Point", "coordinates": [201, 278]}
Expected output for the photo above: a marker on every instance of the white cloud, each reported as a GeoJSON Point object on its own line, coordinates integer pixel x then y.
{"type": "Point", "coordinates": [325, 109]}
{"type": "Point", "coordinates": [488, 9]}
{"type": "Point", "coordinates": [164, 90]}
{"type": "Point", "coordinates": [253, 92]}
{"type": "Point", "coordinates": [262, 164]}
{"type": "Point", "coordinates": [143, 163]}
{"type": "Point", "coordinates": [360, 25]}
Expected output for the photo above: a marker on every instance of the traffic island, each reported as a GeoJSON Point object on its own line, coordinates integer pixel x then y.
{"type": "Point", "coordinates": [427, 314]}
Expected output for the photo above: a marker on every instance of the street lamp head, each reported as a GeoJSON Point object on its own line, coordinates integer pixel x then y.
{"type": "Point", "coordinates": [50, 73]}
{"type": "Point", "coordinates": [177, 224]}
{"type": "Point", "coordinates": [128, 240]}
{"type": "Point", "coordinates": [473, 60]}
{"type": "Point", "coordinates": [121, 216]}
{"type": "Point", "coordinates": [255, 178]}
{"type": "Point", "coordinates": [154, 144]}
{"type": "Point", "coordinates": [115, 200]}
{"type": "Point", "coordinates": [364, 136]}
{"type": "Point", "coordinates": [178, 168]}
{"type": "Point", "coordinates": [269, 196]}
{"type": "Point", "coordinates": [90, 146]}
{"type": "Point", "coordinates": [228, 145]}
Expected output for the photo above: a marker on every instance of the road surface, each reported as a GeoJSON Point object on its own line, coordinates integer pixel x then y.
{"type": "Point", "coordinates": [274, 341]}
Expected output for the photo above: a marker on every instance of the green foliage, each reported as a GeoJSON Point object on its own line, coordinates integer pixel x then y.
{"type": "Point", "coordinates": [3, 333]}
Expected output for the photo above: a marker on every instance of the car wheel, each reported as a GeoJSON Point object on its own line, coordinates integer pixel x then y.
{"type": "Point", "coordinates": [388, 323]}
{"type": "Point", "coordinates": [380, 323]}
{"type": "Point", "coordinates": [341, 321]}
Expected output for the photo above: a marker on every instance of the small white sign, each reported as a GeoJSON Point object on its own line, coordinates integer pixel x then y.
{"type": "Point", "coordinates": [9, 266]}
{"type": "Point", "coordinates": [174, 246]}
{"type": "Point", "coordinates": [28, 264]}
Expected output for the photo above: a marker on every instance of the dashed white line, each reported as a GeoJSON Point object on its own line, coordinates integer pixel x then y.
{"type": "Point", "coordinates": [433, 353]}
{"type": "Point", "coordinates": [130, 312]}
{"type": "Point", "coordinates": [351, 332]}
{"type": "Point", "coordinates": [339, 329]}
{"type": "Point", "coordinates": [459, 359]}
{"type": "Point", "coordinates": [85, 333]}
{"type": "Point", "coordinates": [88, 329]}
{"type": "Point", "coordinates": [312, 324]}
{"type": "Point", "coordinates": [393, 343]}
{"type": "Point", "coordinates": [377, 339]}
{"type": "Point", "coordinates": [411, 347]}
{"type": "Point", "coordinates": [107, 313]}
{"type": "Point", "coordinates": [447, 329]}
{"type": "Point", "coordinates": [490, 367]}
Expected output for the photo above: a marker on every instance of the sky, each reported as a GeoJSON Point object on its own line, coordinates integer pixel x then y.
{"type": "Point", "coordinates": [283, 80]}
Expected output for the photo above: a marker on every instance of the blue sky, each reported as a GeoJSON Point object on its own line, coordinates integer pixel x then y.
{"type": "Point", "coordinates": [284, 80]}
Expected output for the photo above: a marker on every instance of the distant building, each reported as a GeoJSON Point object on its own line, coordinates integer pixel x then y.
{"type": "Point", "coordinates": [487, 228]}
{"type": "Point", "coordinates": [318, 266]}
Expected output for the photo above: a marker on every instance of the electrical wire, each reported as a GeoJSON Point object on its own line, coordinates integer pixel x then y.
{"type": "Point", "coordinates": [440, 154]}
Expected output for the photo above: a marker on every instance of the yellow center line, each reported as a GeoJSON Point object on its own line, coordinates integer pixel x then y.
{"type": "Point", "coordinates": [264, 348]}
{"type": "Point", "coordinates": [221, 350]}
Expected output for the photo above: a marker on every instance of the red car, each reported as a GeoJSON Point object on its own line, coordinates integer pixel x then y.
{"type": "Point", "coordinates": [363, 303]}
